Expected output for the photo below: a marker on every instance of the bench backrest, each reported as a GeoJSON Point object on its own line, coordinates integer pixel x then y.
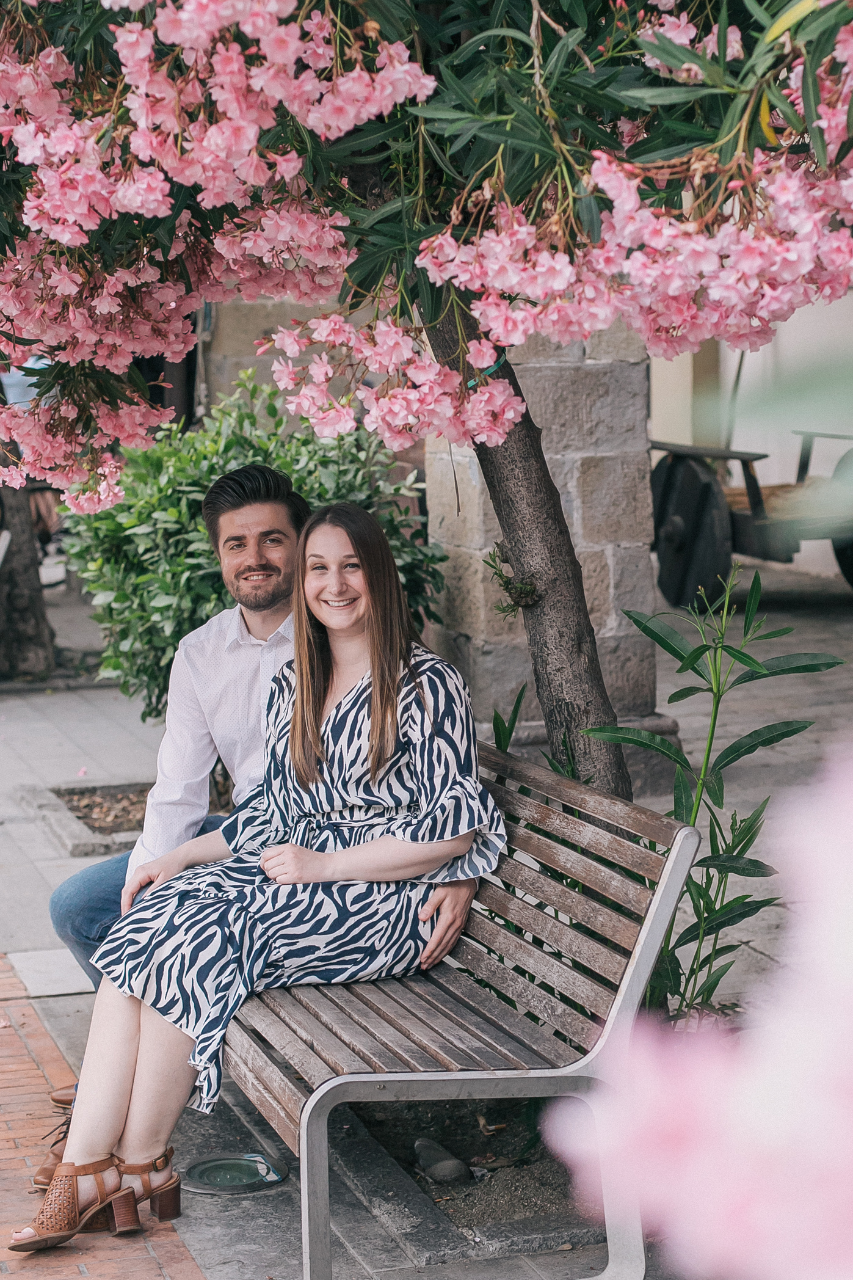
{"type": "Point", "coordinates": [554, 928]}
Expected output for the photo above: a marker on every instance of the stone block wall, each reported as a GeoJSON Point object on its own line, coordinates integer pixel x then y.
{"type": "Point", "coordinates": [592, 405]}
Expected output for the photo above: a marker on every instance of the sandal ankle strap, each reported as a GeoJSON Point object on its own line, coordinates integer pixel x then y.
{"type": "Point", "coordinates": [150, 1166]}
{"type": "Point", "coordinates": [84, 1170]}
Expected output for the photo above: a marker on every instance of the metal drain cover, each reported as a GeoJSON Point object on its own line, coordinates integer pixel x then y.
{"type": "Point", "coordinates": [229, 1173]}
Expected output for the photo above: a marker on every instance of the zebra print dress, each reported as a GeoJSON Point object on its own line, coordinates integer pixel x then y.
{"type": "Point", "coordinates": [196, 947]}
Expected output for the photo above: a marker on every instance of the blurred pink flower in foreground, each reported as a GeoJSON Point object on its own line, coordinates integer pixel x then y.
{"type": "Point", "coordinates": [739, 1150]}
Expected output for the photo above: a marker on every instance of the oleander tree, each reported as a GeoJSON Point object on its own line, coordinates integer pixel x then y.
{"type": "Point", "coordinates": [439, 181]}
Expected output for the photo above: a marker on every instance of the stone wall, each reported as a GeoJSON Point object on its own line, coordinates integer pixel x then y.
{"type": "Point", "coordinates": [228, 335]}
{"type": "Point", "coordinates": [592, 405]}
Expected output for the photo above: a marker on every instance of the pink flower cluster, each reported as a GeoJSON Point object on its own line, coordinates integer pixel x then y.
{"type": "Point", "coordinates": [740, 1151]}
{"type": "Point", "coordinates": [202, 126]}
{"type": "Point", "coordinates": [85, 314]}
{"type": "Point", "coordinates": [51, 447]}
{"type": "Point", "coordinates": [673, 283]}
{"type": "Point", "coordinates": [405, 394]}
{"type": "Point", "coordinates": [680, 31]}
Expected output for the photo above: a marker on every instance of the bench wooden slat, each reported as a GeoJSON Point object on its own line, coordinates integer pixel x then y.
{"type": "Point", "coordinates": [530, 998]}
{"type": "Point", "coordinates": [609, 883]}
{"type": "Point", "coordinates": [457, 1034]}
{"type": "Point", "coordinates": [517, 1053]}
{"type": "Point", "coordinates": [547, 968]}
{"type": "Point", "coordinates": [415, 1058]}
{"type": "Point", "coordinates": [470, 996]}
{"type": "Point", "coordinates": [568, 941]}
{"type": "Point", "coordinates": [619, 813]}
{"type": "Point", "coordinates": [603, 843]}
{"type": "Point", "coordinates": [283, 1088]}
{"type": "Point", "coordinates": [377, 1055]}
{"type": "Point", "coordinates": [319, 1039]}
{"type": "Point", "coordinates": [609, 924]}
{"type": "Point", "coordinates": [257, 1015]}
{"type": "Point", "coordinates": [260, 1080]}
{"type": "Point", "coordinates": [449, 1055]}
{"type": "Point", "coordinates": [271, 1110]}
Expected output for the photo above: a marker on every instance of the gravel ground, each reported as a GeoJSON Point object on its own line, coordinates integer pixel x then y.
{"type": "Point", "coordinates": [538, 1184]}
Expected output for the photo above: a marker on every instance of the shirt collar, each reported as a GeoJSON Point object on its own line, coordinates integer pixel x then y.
{"type": "Point", "coordinates": [238, 633]}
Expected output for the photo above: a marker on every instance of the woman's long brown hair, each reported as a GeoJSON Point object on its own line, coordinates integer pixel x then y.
{"type": "Point", "coordinates": [390, 633]}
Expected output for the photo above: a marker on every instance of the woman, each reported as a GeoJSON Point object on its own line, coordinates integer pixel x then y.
{"type": "Point", "coordinates": [370, 797]}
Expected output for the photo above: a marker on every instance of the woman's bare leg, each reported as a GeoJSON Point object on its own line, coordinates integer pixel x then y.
{"type": "Point", "coordinates": [134, 1084]}
{"type": "Point", "coordinates": [161, 1086]}
{"type": "Point", "coordinates": [106, 1083]}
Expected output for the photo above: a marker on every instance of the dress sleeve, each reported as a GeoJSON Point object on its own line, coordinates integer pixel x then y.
{"type": "Point", "coordinates": [262, 819]}
{"type": "Point", "coordinates": [438, 727]}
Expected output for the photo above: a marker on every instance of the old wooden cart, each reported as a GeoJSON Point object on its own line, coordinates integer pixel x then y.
{"type": "Point", "coordinates": [699, 524]}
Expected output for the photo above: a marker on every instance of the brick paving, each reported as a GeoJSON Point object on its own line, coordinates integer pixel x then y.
{"type": "Point", "coordinates": [30, 1067]}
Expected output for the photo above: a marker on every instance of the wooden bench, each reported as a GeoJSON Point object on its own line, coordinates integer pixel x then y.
{"type": "Point", "coordinates": [538, 994]}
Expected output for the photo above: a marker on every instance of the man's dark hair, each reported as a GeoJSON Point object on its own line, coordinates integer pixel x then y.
{"type": "Point", "coordinates": [244, 488]}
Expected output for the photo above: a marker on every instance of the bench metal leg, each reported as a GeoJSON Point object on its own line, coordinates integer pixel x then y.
{"type": "Point", "coordinates": [314, 1173]}
{"type": "Point", "coordinates": [626, 1252]}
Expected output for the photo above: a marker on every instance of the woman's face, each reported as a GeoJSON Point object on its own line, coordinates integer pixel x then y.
{"type": "Point", "coordinates": [335, 588]}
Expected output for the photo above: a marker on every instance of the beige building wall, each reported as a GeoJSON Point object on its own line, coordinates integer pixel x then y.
{"type": "Point", "coordinates": [227, 335]}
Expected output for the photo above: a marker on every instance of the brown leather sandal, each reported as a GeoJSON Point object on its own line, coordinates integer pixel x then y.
{"type": "Point", "coordinates": [60, 1216]}
{"type": "Point", "coordinates": [165, 1200]}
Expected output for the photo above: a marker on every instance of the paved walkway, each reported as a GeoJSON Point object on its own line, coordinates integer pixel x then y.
{"type": "Point", "coordinates": [31, 1067]}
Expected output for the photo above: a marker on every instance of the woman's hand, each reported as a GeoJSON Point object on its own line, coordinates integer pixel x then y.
{"type": "Point", "coordinates": [156, 872]}
{"type": "Point", "coordinates": [452, 901]}
{"type": "Point", "coordinates": [293, 864]}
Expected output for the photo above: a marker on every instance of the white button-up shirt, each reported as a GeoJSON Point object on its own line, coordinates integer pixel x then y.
{"type": "Point", "coordinates": [218, 693]}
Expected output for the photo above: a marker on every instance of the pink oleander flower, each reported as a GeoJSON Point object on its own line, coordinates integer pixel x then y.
{"type": "Point", "coordinates": [146, 192]}
{"type": "Point", "coordinates": [734, 43]}
{"type": "Point", "coordinates": [481, 354]}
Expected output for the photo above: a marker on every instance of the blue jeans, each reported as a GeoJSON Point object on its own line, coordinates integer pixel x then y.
{"type": "Point", "coordinates": [86, 906]}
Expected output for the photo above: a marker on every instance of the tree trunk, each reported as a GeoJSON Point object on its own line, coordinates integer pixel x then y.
{"type": "Point", "coordinates": [538, 547]}
{"type": "Point", "coordinates": [26, 637]}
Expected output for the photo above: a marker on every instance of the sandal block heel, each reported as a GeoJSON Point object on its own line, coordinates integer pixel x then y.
{"type": "Point", "coordinates": [122, 1214]}
{"type": "Point", "coordinates": [166, 1204]}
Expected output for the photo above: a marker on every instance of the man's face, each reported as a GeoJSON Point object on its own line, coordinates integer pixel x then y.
{"type": "Point", "coordinates": [257, 549]}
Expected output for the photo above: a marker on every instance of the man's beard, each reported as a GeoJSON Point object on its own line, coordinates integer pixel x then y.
{"type": "Point", "coordinates": [260, 599]}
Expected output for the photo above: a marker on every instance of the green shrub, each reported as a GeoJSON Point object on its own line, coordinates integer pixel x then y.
{"type": "Point", "coordinates": [148, 561]}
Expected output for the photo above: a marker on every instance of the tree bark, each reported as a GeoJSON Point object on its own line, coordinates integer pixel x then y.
{"type": "Point", "coordinates": [538, 547]}
{"type": "Point", "coordinates": [26, 637]}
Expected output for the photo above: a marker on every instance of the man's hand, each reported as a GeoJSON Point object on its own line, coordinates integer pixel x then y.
{"type": "Point", "coordinates": [293, 864]}
{"type": "Point", "coordinates": [210, 847]}
{"type": "Point", "coordinates": [155, 873]}
{"type": "Point", "coordinates": [452, 902]}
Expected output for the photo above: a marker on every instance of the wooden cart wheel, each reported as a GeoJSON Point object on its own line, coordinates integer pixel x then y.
{"type": "Point", "coordinates": [693, 528]}
{"type": "Point", "coordinates": [843, 547]}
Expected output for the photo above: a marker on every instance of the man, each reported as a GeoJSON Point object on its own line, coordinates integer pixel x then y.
{"type": "Point", "coordinates": [218, 691]}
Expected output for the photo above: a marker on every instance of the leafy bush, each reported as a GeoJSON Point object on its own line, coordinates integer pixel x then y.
{"type": "Point", "coordinates": [148, 560]}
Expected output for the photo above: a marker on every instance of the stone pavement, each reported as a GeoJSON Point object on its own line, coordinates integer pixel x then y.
{"type": "Point", "coordinates": [63, 739]}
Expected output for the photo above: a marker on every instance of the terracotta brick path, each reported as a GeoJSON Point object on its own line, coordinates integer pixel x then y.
{"type": "Point", "coordinates": [30, 1067]}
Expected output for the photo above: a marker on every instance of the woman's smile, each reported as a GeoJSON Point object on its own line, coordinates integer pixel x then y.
{"type": "Point", "coordinates": [335, 587]}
